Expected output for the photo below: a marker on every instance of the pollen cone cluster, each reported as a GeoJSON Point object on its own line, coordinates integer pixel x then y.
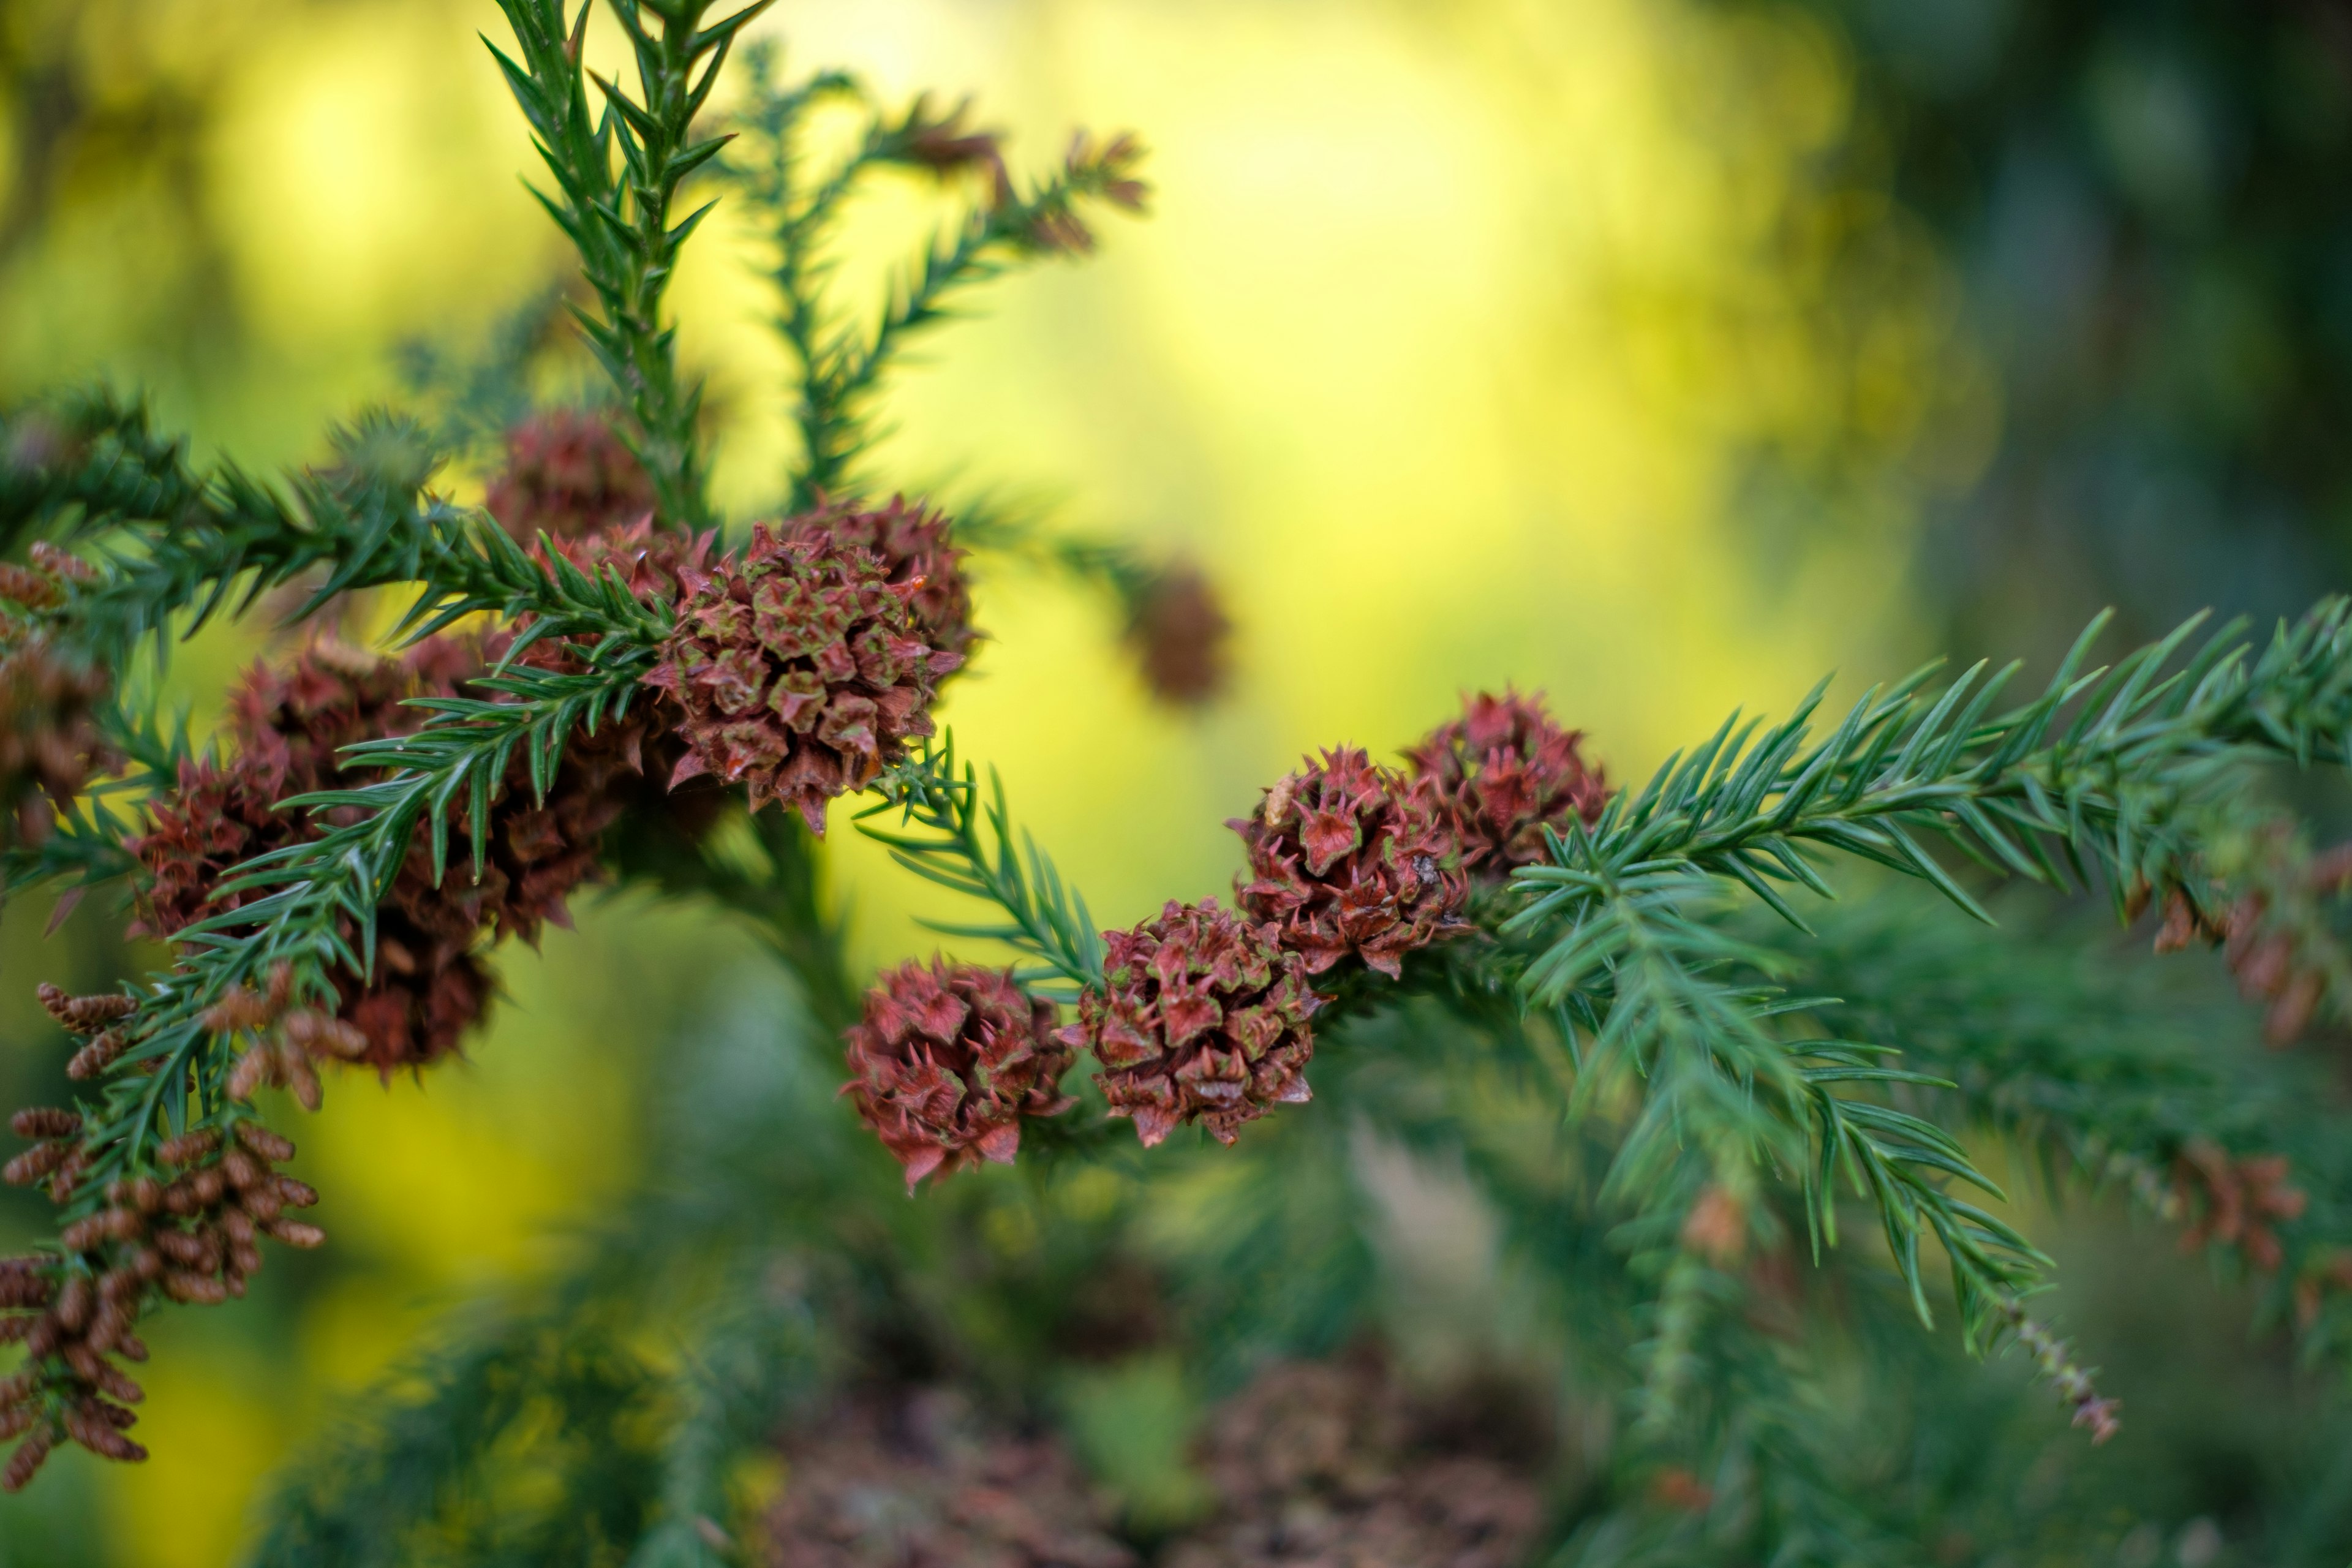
{"type": "Point", "coordinates": [948, 1061]}
{"type": "Point", "coordinates": [1347, 862]}
{"type": "Point", "coordinates": [188, 1230]}
{"type": "Point", "coordinates": [803, 670]}
{"type": "Point", "coordinates": [1203, 1018]}
{"type": "Point", "coordinates": [568, 473]}
{"type": "Point", "coordinates": [1501, 774]}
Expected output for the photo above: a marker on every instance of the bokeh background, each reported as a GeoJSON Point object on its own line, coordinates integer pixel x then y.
{"type": "Point", "coordinates": [1660, 355]}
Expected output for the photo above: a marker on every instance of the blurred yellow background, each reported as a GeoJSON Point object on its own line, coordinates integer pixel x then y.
{"type": "Point", "coordinates": [1461, 344]}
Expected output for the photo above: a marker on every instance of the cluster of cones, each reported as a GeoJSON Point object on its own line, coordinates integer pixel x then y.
{"type": "Point", "coordinates": [799, 668]}
{"type": "Point", "coordinates": [187, 1225]}
{"type": "Point", "coordinates": [1205, 1015]}
{"type": "Point", "coordinates": [285, 728]}
{"type": "Point", "coordinates": [801, 700]}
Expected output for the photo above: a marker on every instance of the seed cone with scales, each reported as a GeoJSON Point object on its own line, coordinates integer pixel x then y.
{"type": "Point", "coordinates": [1203, 1018]}
{"type": "Point", "coordinates": [948, 1059]}
{"type": "Point", "coordinates": [802, 668]}
{"type": "Point", "coordinates": [1501, 774]}
{"type": "Point", "coordinates": [285, 727]}
{"type": "Point", "coordinates": [568, 473]}
{"type": "Point", "coordinates": [912, 542]}
{"type": "Point", "coordinates": [188, 1230]}
{"type": "Point", "coordinates": [1348, 862]}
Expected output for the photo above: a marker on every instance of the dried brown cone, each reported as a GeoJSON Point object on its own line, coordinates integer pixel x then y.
{"type": "Point", "coordinates": [1203, 1018]}
{"type": "Point", "coordinates": [948, 1059]}
{"type": "Point", "coordinates": [1503, 773]}
{"type": "Point", "coordinates": [945, 146]}
{"type": "Point", "coordinates": [801, 668]}
{"type": "Point", "coordinates": [1109, 168]}
{"type": "Point", "coordinates": [915, 1479]}
{"type": "Point", "coordinates": [1348, 862]}
{"type": "Point", "coordinates": [911, 542]}
{"type": "Point", "coordinates": [1179, 630]}
{"type": "Point", "coordinates": [568, 473]}
{"type": "Point", "coordinates": [1327, 1463]}
{"type": "Point", "coordinates": [286, 727]}
{"type": "Point", "coordinates": [2235, 1202]}
{"type": "Point", "coordinates": [50, 746]}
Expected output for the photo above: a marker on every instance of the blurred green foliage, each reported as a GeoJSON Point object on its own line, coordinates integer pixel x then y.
{"type": "Point", "coordinates": [2149, 206]}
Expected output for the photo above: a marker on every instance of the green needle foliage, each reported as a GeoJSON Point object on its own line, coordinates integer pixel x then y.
{"type": "Point", "coordinates": [968, 848]}
{"type": "Point", "coordinates": [617, 175]}
{"type": "Point", "coordinates": [1719, 1141]}
{"type": "Point", "coordinates": [842, 359]}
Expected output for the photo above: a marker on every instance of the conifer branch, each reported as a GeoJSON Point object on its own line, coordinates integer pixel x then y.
{"type": "Point", "coordinates": [2109, 794]}
{"type": "Point", "coordinates": [1719, 1081]}
{"type": "Point", "coordinates": [618, 215]}
{"type": "Point", "coordinates": [1118, 570]}
{"type": "Point", "coordinates": [316, 911]}
{"type": "Point", "coordinates": [971, 850]}
{"type": "Point", "coordinates": [85, 845]}
{"type": "Point", "coordinates": [179, 546]}
{"type": "Point", "coordinates": [842, 358]}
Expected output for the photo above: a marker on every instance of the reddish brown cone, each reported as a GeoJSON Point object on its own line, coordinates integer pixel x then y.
{"type": "Point", "coordinates": [49, 745]}
{"type": "Point", "coordinates": [802, 670]}
{"type": "Point", "coordinates": [625, 766]}
{"type": "Point", "coordinates": [647, 559]}
{"type": "Point", "coordinates": [1502, 773]}
{"type": "Point", "coordinates": [568, 474]}
{"type": "Point", "coordinates": [1179, 631]}
{"type": "Point", "coordinates": [948, 1059]}
{"type": "Point", "coordinates": [911, 543]}
{"type": "Point", "coordinates": [1345, 861]}
{"type": "Point", "coordinates": [1203, 1018]}
{"type": "Point", "coordinates": [286, 726]}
